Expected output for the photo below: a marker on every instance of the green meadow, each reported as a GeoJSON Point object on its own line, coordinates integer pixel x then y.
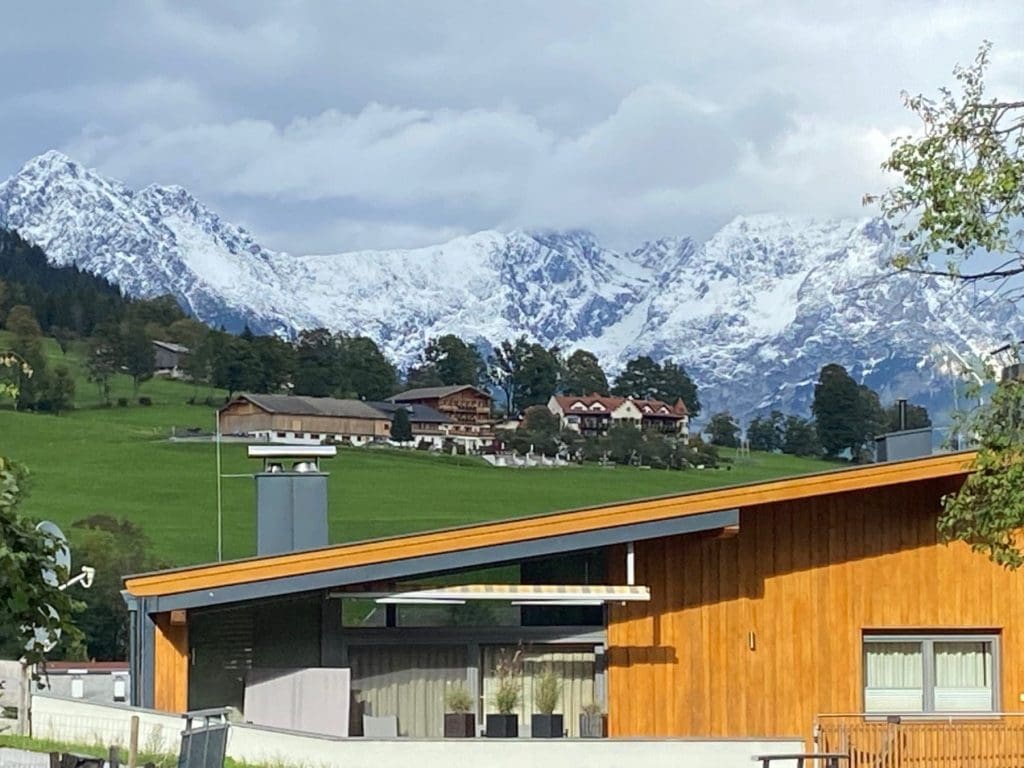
{"type": "Point", "coordinates": [120, 461]}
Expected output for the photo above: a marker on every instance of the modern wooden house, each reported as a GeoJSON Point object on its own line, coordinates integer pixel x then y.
{"type": "Point", "coordinates": [822, 607]}
{"type": "Point", "coordinates": [468, 407]}
{"type": "Point", "coordinates": [291, 419]}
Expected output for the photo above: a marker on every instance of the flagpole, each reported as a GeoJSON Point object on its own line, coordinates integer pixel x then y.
{"type": "Point", "coordinates": [220, 510]}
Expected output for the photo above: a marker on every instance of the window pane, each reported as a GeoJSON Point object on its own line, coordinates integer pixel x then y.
{"type": "Point", "coordinates": [963, 676]}
{"type": "Point", "coordinates": [893, 673]}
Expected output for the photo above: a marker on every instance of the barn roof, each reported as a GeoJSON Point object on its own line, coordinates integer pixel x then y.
{"type": "Point", "coordinates": [296, 405]}
{"type": "Point", "coordinates": [429, 393]}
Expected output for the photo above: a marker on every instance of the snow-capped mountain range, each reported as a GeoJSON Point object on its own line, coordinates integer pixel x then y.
{"type": "Point", "coordinates": [753, 312]}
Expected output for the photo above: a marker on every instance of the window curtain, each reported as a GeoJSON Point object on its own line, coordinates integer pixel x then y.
{"type": "Point", "coordinates": [963, 676]}
{"type": "Point", "coordinates": [575, 668]}
{"type": "Point", "coordinates": [406, 681]}
{"type": "Point", "coordinates": [893, 677]}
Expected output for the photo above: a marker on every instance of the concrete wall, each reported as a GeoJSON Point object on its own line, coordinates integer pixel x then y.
{"type": "Point", "coordinates": [88, 723]}
{"type": "Point", "coordinates": [96, 686]}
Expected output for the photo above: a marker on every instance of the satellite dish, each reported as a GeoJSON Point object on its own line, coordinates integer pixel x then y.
{"type": "Point", "coordinates": [61, 552]}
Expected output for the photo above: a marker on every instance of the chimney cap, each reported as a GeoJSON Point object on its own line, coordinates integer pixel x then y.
{"type": "Point", "coordinates": [292, 451]}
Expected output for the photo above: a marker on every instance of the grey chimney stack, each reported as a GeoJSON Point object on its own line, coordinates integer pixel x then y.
{"type": "Point", "coordinates": [901, 404]}
{"type": "Point", "coordinates": [291, 498]}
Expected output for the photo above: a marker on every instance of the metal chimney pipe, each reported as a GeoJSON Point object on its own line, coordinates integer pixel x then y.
{"type": "Point", "coordinates": [291, 505]}
{"type": "Point", "coordinates": [902, 406]}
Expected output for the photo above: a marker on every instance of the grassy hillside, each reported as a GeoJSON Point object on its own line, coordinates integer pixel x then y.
{"type": "Point", "coordinates": [119, 461]}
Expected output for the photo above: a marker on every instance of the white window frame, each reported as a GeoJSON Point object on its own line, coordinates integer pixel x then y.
{"type": "Point", "coordinates": [927, 641]}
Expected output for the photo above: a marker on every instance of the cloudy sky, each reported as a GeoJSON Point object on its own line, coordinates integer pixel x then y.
{"type": "Point", "coordinates": [328, 126]}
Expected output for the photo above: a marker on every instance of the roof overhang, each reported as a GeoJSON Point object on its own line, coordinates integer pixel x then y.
{"type": "Point", "coordinates": [513, 540]}
{"type": "Point", "coordinates": [436, 563]}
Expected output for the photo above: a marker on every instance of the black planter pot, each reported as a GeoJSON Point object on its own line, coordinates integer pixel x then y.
{"type": "Point", "coordinates": [459, 725]}
{"type": "Point", "coordinates": [592, 726]}
{"type": "Point", "coordinates": [503, 726]}
{"type": "Point", "coordinates": [546, 726]}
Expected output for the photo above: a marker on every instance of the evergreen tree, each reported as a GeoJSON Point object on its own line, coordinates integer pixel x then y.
{"type": "Point", "coordinates": [274, 364]}
{"type": "Point", "coordinates": [584, 375]}
{"type": "Point", "coordinates": [766, 433]}
{"type": "Point", "coordinates": [455, 361]}
{"type": "Point", "coordinates": [723, 430]}
{"type": "Point", "coordinates": [401, 428]}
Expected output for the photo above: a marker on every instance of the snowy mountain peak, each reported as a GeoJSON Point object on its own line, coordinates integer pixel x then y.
{"type": "Point", "coordinates": [753, 312]}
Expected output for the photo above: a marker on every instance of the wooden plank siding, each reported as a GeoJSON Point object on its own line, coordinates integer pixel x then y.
{"type": "Point", "coordinates": [802, 579]}
{"type": "Point", "coordinates": [748, 497]}
{"type": "Point", "coordinates": [170, 662]}
{"type": "Point", "coordinates": [241, 417]}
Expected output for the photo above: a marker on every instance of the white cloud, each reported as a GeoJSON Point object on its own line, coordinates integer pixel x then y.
{"type": "Point", "coordinates": [365, 122]}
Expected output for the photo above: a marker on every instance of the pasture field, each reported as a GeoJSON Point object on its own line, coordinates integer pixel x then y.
{"type": "Point", "coordinates": [120, 461]}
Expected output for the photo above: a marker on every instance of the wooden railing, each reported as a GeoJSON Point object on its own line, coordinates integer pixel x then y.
{"type": "Point", "coordinates": [995, 741]}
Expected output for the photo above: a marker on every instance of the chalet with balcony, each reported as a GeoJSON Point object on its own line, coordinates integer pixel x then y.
{"type": "Point", "coordinates": [593, 415]}
{"type": "Point", "coordinates": [467, 407]}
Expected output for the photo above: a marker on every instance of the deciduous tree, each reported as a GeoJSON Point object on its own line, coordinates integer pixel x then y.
{"type": "Point", "coordinates": [766, 433]}
{"type": "Point", "coordinates": [584, 375]}
{"type": "Point", "coordinates": [114, 547]}
{"type": "Point", "coordinates": [28, 601]}
{"type": "Point", "coordinates": [526, 372]}
{"type": "Point", "coordinates": [960, 198]}
{"type": "Point", "coordinates": [139, 358]}
{"type": "Point", "coordinates": [800, 437]}
{"type": "Point", "coordinates": [644, 378]}
{"type": "Point", "coordinates": [848, 415]}
{"type": "Point", "coordinates": [723, 430]}
{"type": "Point", "coordinates": [455, 361]}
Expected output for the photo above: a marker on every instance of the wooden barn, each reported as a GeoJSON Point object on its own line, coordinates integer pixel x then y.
{"type": "Point", "coordinates": [294, 419]}
{"type": "Point", "coordinates": [821, 607]}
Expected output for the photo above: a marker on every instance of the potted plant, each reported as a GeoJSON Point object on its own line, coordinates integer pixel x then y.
{"type": "Point", "coordinates": [505, 724]}
{"type": "Point", "coordinates": [459, 718]}
{"type": "Point", "coordinates": [592, 722]}
{"type": "Point", "coordinates": [547, 691]}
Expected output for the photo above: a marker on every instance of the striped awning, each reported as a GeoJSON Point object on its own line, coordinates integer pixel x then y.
{"type": "Point", "coordinates": [523, 594]}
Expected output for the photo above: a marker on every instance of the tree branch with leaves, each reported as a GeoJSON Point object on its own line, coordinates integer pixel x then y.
{"type": "Point", "coordinates": [962, 189]}
{"type": "Point", "coordinates": [961, 198]}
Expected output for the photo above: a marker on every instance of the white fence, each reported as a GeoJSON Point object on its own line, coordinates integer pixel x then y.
{"type": "Point", "coordinates": [87, 723]}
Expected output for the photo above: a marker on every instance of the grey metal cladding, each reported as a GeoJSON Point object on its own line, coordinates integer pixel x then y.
{"type": "Point", "coordinates": [447, 561]}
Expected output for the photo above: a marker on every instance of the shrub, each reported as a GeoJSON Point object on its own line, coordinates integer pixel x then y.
{"type": "Point", "coordinates": [549, 690]}
{"type": "Point", "coordinates": [507, 668]}
{"type": "Point", "coordinates": [145, 401]}
{"type": "Point", "coordinates": [457, 699]}
{"type": "Point", "coordinates": [122, 402]}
